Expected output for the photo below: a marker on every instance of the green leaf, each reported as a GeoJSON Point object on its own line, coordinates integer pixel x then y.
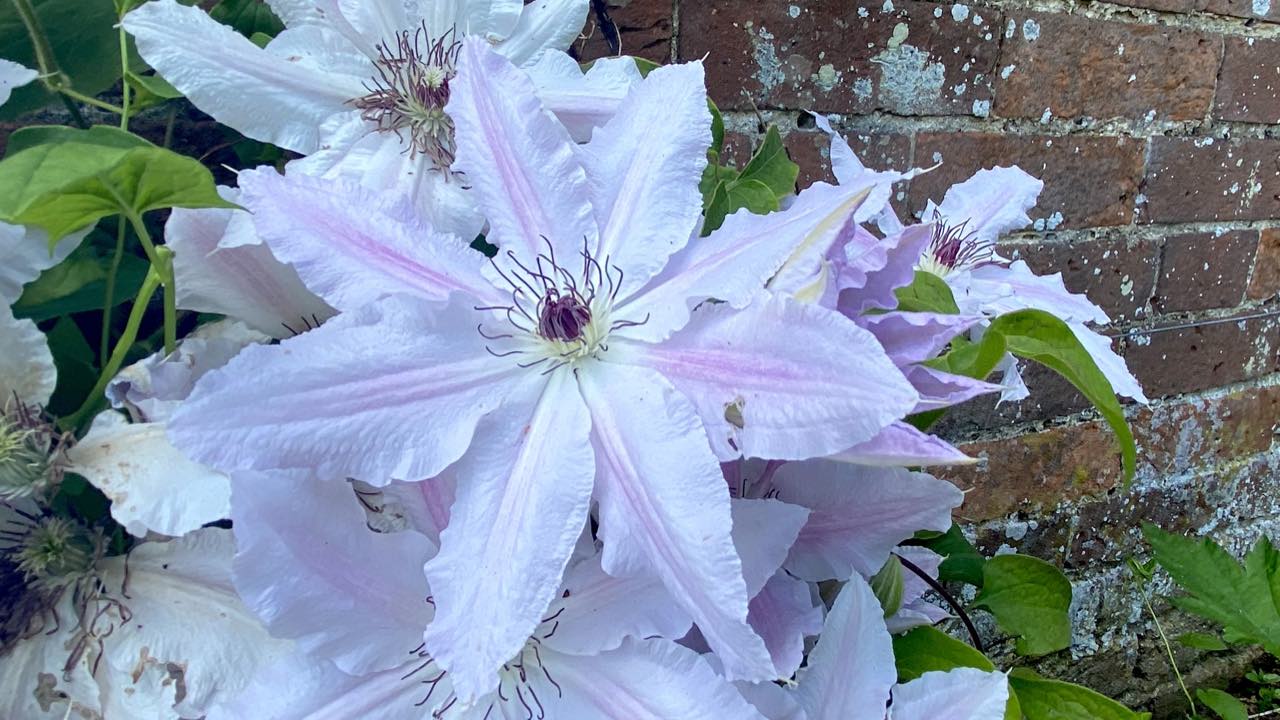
{"type": "Point", "coordinates": [717, 131]}
{"type": "Point", "coordinates": [79, 269]}
{"type": "Point", "coordinates": [76, 177]}
{"type": "Point", "coordinates": [77, 369]}
{"type": "Point", "coordinates": [83, 40]}
{"type": "Point", "coordinates": [36, 135]}
{"type": "Point", "coordinates": [729, 198]}
{"type": "Point", "coordinates": [644, 66]}
{"type": "Point", "coordinates": [248, 17]}
{"type": "Point", "coordinates": [926, 648]}
{"type": "Point", "coordinates": [887, 585]}
{"type": "Point", "coordinates": [927, 293]}
{"type": "Point", "coordinates": [972, 359]}
{"type": "Point", "coordinates": [1202, 641]}
{"type": "Point", "coordinates": [1029, 598]}
{"type": "Point", "coordinates": [1044, 699]}
{"type": "Point", "coordinates": [1037, 335]}
{"type": "Point", "coordinates": [963, 562]}
{"type": "Point", "coordinates": [88, 297]}
{"type": "Point", "coordinates": [1227, 707]}
{"type": "Point", "coordinates": [771, 166]}
{"type": "Point", "coordinates": [149, 91]}
{"type": "Point", "coordinates": [1238, 597]}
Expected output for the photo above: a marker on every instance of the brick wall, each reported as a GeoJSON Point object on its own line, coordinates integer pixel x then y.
{"type": "Point", "coordinates": [1151, 123]}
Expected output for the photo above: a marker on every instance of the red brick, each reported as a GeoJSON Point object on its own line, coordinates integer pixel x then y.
{"type": "Point", "coordinates": [1265, 282]}
{"type": "Point", "coordinates": [1089, 181]}
{"type": "Point", "coordinates": [908, 58]}
{"type": "Point", "coordinates": [1202, 271]}
{"type": "Point", "coordinates": [1198, 358]}
{"type": "Point", "coordinates": [1117, 274]}
{"type": "Point", "coordinates": [1038, 471]}
{"type": "Point", "coordinates": [1203, 179]}
{"type": "Point", "coordinates": [1234, 8]}
{"type": "Point", "coordinates": [1072, 66]}
{"type": "Point", "coordinates": [644, 27]}
{"type": "Point", "coordinates": [1249, 82]}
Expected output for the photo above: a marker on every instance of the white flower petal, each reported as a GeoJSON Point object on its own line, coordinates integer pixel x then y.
{"type": "Point", "coordinates": [582, 101]}
{"type": "Point", "coordinates": [850, 670]}
{"type": "Point", "coordinates": [26, 365]}
{"type": "Point", "coordinates": [859, 514]}
{"type": "Point", "coordinates": [643, 169]}
{"type": "Point", "coordinates": [664, 507]}
{"type": "Point", "coordinates": [13, 75]}
{"type": "Point", "coordinates": [522, 500]}
{"type": "Point", "coordinates": [32, 685]}
{"type": "Point", "coordinates": [959, 694]}
{"type": "Point", "coordinates": [152, 486]}
{"type": "Point", "coordinates": [185, 612]}
{"type": "Point", "coordinates": [784, 614]}
{"type": "Point", "coordinates": [494, 20]}
{"type": "Point", "coordinates": [279, 95]}
{"type": "Point", "coordinates": [311, 569]}
{"type": "Point", "coordinates": [24, 254]}
{"type": "Point", "coordinates": [544, 25]}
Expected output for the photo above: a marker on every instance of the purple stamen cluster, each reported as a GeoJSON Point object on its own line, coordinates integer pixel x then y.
{"type": "Point", "coordinates": [411, 91]}
{"type": "Point", "coordinates": [955, 246]}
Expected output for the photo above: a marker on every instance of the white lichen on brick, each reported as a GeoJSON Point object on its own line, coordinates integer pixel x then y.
{"type": "Point", "coordinates": [1030, 30]}
{"type": "Point", "coordinates": [768, 66]}
{"type": "Point", "coordinates": [910, 82]}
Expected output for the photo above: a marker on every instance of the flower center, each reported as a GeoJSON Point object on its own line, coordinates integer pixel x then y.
{"type": "Point", "coordinates": [954, 247]}
{"type": "Point", "coordinates": [556, 316]}
{"type": "Point", "coordinates": [28, 446]}
{"type": "Point", "coordinates": [411, 90]}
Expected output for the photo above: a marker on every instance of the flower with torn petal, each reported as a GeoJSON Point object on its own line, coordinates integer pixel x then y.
{"type": "Point", "coordinates": [153, 635]}
{"type": "Point", "coordinates": [360, 86]}
{"type": "Point", "coordinates": [850, 675]}
{"type": "Point", "coordinates": [154, 487]}
{"type": "Point", "coordinates": [356, 609]}
{"type": "Point", "coordinates": [963, 231]}
{"type": "Point", "coordinates": [575, 358]}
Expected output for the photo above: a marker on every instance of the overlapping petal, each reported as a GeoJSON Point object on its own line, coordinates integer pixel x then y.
{"type": "Point", "coordinates": [959, 694]}
{"type": "Point", "coordinates": [582, 101]}
{"type": "Point", "coordinates": [311, 569]}
{"type": "Point", "coordinates": [784, 613]}
{"type": "Point", "coordinates": [521, 163]}
{"type": "Point", "coordinates": [858, 514]}
{"type": "Point", "coordinates": [543, 25]}
{"type": "Point", "coordinates": [391, 391]}
{"type": "Point", "coordinates": [784, 368]}
{"type": "Point", "coordinates": [664, 507]}
{"type": "Point", "coordinates": [992, 202]}
{"type": "Point", "coordinates": [850, 670]}
{"type": "Point", "coordinates": [900, 444]}
{"type": "Point", "coordinates": [522, 501]}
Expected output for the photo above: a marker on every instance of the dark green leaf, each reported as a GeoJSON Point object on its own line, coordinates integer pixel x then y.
{"type": "Point", "coordinates": [76, 364]}
{"type": "Point", "coordinates": [1037, 335]}
{"type": "Point", "coordinates": [82, 176]}
{"type": "Point", "coordinates": [972, 359]}
{"type": "Point", "coordinates": [36, 135]}
{"type": "Point", "coordinates": [1226, 707]}
{"type": "Point", "coordinates": [1029, 598]}
{"type": "Point", "coordinates": [149, 91]}
{"type": "Point", "coordinates": [1236, 596]}
{"type": "Point", "coordinates": [717, 130]}
{"type": "Point", "coordinates": [84, 42]}
{"type": "Point", "coordinates": [771, 166]}
{"type": "Point", "coordinates": [89, 297]}
{"type": "Point", "coordinates": [248, 17]}
{"type": "Point", "coordinates": [1202, 641]}
{"type": "Point", "coordinates": [925, 649]}
{"type": "Point", "coordinates": [751, 195]}
{"type": "Point", "coordinates": [645, 66]}
{"type": "Point", "coordinates": [927, 293]}
{"type": "Point", "coordinates": [1044, 699]}
{"type": "Point", "coordinates": [82, 267]}
{"type": "Point", "coordinates": [887, 585]}
{"type": "Point", "coordinates": [963, 562]}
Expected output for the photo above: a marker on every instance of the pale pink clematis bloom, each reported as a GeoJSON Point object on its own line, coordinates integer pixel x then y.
{"type": "Point", "coordinates": [585, 360]}
{"type": "Point", "coordinates": [961, 249]}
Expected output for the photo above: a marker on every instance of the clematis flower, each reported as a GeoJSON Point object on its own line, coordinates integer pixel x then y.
{"type": "Point", "coordinates": [961, 249]}
{"type": "Point", "coordinates": [350, 599]}
{"type": "Point", "coordinates": [360, 87]}
{"type": "Point", "coordinates": [582, 364]}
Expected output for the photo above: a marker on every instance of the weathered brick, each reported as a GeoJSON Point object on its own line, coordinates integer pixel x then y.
{"type": "Point", "coordinates": [1034, 473]}
{"type": "Point", "coordinates": [1071, 66]}
{"type": "Point", "coordinates": [1201, 179]}
{"type": "Point", "coordinates": [1206, 356]}
{"type": "Point", "coordinates": [1265, 282]}
{"type": "Point", "coordinates": [909, 58]}
{"type": "Point", "coordinates": [1249, 82]}
{"type": "Point", "coordinates": [812, 151]}
{"type": "Point", "coordinates": [1250, 9]}
{"type": "Point", "coordinates": [1117, 274]}
{"type": "Point", "coordinates": [1088, 181]}
{"type": "Point", "coordinates": [1202, 271]}
{"type": "Point", "coordinates": [644, 27]}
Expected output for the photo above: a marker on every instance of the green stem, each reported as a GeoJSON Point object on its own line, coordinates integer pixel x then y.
{"type": "Point", "coordinates": [110, 295]}
{"type": "Point", "coordinates": [124, 79]}
{"type": "Point", "coordinates": [170, 301]}
{"type": "Point", "coordinates": [118, 355]}
{"type": "Point", "coordinates": [45, 61]}
{"type": "Point", "coordinates": [89, 100]}
{"type": "Point", "coordinates": [1169, 651]}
